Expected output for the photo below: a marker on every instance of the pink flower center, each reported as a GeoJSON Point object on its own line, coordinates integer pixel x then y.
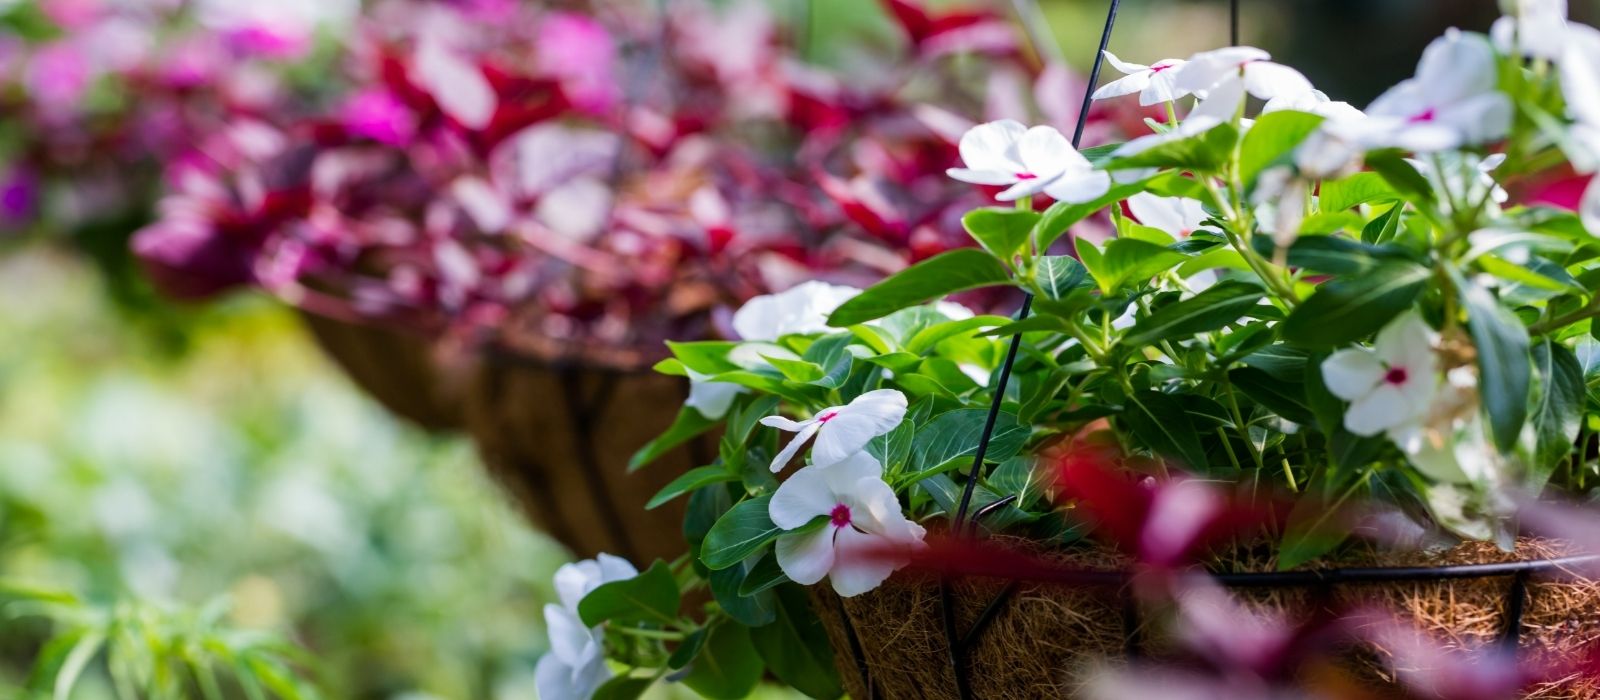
{"type": "Point", "coordinates": [1157, 68]}
{"type": "Point", "coordinates": [1425, 117]}
{"type": "Point", "coordinates": [1395, 376]}
{"type": "Point", "coordinates": [827, 416]}
{"type": "Point", "coordinates": [840, 517]}
{"type": "Point", "coordinates": [1026, 176]}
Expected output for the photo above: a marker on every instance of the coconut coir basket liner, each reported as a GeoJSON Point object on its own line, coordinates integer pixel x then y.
{"type": "Point", "coordinates": [558, 426]}
{"type": "Point", "coordinates": [1046, 638]}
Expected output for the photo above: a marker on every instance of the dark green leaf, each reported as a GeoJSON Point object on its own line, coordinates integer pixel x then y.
{"type": "Point", "coordinates": [1384, 226]}
{"type": "Point", "coordinates": [1559, 411]}
{"type": "Point", "coordinates": [893, 448]}
{"type": "Point", "coordinates": [1060, 275]}
{"type": "Point", "coordinates": [739, 533]}
{"type": "Point", "coordinates": [1334, 255]}
{"type": "Point", "coordinates": [764, 575]}
{"type": "Point", "coordinates": [796, 649]}
{"type": "Point", "coordinates": [688, 425]}
{"type": "Point", "coordinates": [698, 477]}
{"type": "Point", "coordinates": [752, 610]}
{"type": "Point", "coordinates": [1000, 231]}
{"type": "Point", "coordinates": [1283, 398]}
{"type": "Point", "coordinates": [1504, 370]}
{"type": "Point", "coordinates": [1348, 309]}
{"type": "Point", "coordinates": [623, 688]}
{"type": "Point", "coordinates": [934, 278]}
{"type": "Point", "coordinates": [1209, 310]}
{"type": "Point", "coordinates": [953, 437]}
{"type": "Point", "coordinates": [687, 649]}
{"type": "Point", "coordinates": [727, 667]}
{"type": "Point", "coordinates": [1159, 421]}
{"type": "Point", "coordinates": [651, 596]}
{"type": "Point", "coordinates": [1126, 260]}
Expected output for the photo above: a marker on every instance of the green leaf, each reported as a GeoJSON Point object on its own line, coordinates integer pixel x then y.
{"type": "Point", "coordinates": [1273, 137]}
{"type": "Point", "coordinates": [796, 370]}
{"type": "Point", "coordinates": [1559, 411]}
{"type": "Point", "coordinates": [764, 575]}
{"type": "Point", "coordinates": [1401, 176]}
{"type": "Point", "coordinates": [1205, 152]}
{"type": "Point", "coordinates": [795, 647]}
{"type": "Point", "coordinates": [1159, 421]}
{"type": "Point", "coordinates": [1000, 231]}
{"type": "Point", "coordinates": [728, 667]}
{"type": "Point", "coordinates": [623, 688]}
{"type": "Point", "coordinates": [699, 477]}
{"type": "Point", "coordinates": [1348, 309]}
{"type": "Point", "coordinates": [1327, 408]}
{"type": "Point", "coordinates": [739, 533]}
{"type": "Point", "coordinates": [76, 661]}
{"type": "Point", "coordinates": [893, 448]}
{"type": "Point", "coordinates": [833, 356]}
{"type": "Point", "coordinates": [1334, 255]}
{"type": "Point", "coordinates": [1504, 370]}
{"type": "Point", "coordinates": [1061, 216]}
{"type": "Point", "coordinates": [1356, 190]}
{"type": "Point", "coordinates": [1384, 226]}
{"type": "Point", "coordinates": [651, 597]}
{"type": "Point", "coordinates": [705, 357]}
{"type": "Point", "coordinates": [1286, 399]}
{"type": "Point", "coordinates": [926, 338]}
{"type": "Point", "coordinates": [1209, 310]}
{"type": "Point", "coordinates": [1314, 527]}
{"type": "Point", "coordinates": [687, 426]}
{"type": "Point", "coordinates": [934, 278]}
{"type": "Point", "coordinates": [751, 610]}
{"type": "Point", "coordinates": [1126, 260]}
{"type": "Point", "coordinates": [687, 650]}
{"type": "Point", "coordinates": [952, 437]}
{"type": "Point", "coordinates": [1060, 275]}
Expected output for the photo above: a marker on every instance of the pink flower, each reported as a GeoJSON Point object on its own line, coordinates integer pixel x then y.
{"type": "Point", "coordinates": [581, 53]}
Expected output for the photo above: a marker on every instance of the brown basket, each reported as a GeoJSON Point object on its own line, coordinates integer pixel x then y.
{"type": "Point", "coordinates": [398, 369]}
{"type": "Point", "coordinates": [890, 643]}
{"type": "Point", "coordinates": [560, 436]}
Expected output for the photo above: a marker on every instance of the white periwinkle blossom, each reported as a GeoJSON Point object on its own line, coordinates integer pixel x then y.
{"type": "Point", "coordinates": [1222, 77]}
{"type": "Point", "coordinates": [1179, 216]}
{"type": "Point", "coordinates": [1027, 162]}
{"type": "Point", "coordinates": [801, 309]}
{"type": "Point", "coordinates": [841, 431]}
{"type": "Point", "coordinates": [1390, 386]}
{"type": "Point", "coordinates": [1452, 102]}
{"type": "Point", "coordinates": [1534, 28]}
{"type": "Point", "coordinates": [575, 666]}
{"type": "Point", "coordinates": [1155, 83]}
{"type": "Point", "coordinates": [855, 549]}
{"type": "Point", "coordinates": [1589, 208]}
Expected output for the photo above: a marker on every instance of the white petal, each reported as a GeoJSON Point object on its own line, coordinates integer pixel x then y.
{"type": "Point", "coordinates": [785, 424]}
{"type": "Point", "coordinates": [1580, 73]}
{"type": "Point", "coordinates": [1267, 80]}
{"type": "Point", "coordinates": [860, 565]}
{"type": "Point", "coordinates": [1204, 70]}
{"type": "Point", "coordinates": [1123, 66]}
{"type": "Point", "coordinates": [1455, 67]}
{"type": "Point", "coordinates": [570, 641]}
{"type": "Point", "coordinates": [552, 680]}
{"type": "Point", "coordinates": [757, 319]}
{"type": "Point", "coordinates": [1221, 103]}
{"type": "Point", "coordinates": [574, 581]}
{"type": "Point", "coordinates": [1165, 213]}
{"type": "Point", "coordinates": [1080, 187]}
{"type": "Point", "coordinates": [870, 415]}
{"type": "Point", "coordinates": [845, 475]}
{"type": "Point", "coordinates": [806, 558]}
{"type": "Point", "coordinates": [615, 568]}
{"type": "Point", "coordinates": [1163, 84]}
{"type": "Point", "coordinates": [793, 448]}
{"type": "Point", "coordinates": [1352, 373]}
{"type": "Point", "coordinates": [993, 178]}
{"type": "Point", "coordinates": [711, 399]}
{"type": "Point", "coordinates": [1123, 86]}
{"type": "Point", "coordinates": [989, 146]}
{"type": "Point", "coordinates": [1589, 209]}
{"type": "Point", "coordinates": [1381, 409]}
{"type": "Point", "coordinates": [1025, 188]}
{"type": "Point", "coordinates": [459, 87]}
{"type": "Point", "coordinates": [800, 498]}
{"type": "Point", "coordinates": [1046, 153]}
{"type": "Point", "coordinates": [874, 509]}
{"type": "Point", "coordinates": [1480, 119]}
{"type": "Point", "coordinates": [1408, 342]}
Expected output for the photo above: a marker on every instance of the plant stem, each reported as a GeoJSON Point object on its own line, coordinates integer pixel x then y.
{"type": "Point", "coordinates": [667, 635]}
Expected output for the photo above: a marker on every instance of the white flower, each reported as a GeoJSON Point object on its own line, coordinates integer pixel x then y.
{"type": "Point", "coordinates": [1154, 83]}
{"type": "Point", "coordinates": [711, 398]}
{"type": "Point", "coordinates": [1466, 177]}
{"type": "Point", "coordinates": [1534, 28]}
{"type": "Point", "coordinates": [1451, 102]}
{"type": "Point", "coordinates": [1449, 444]}
{"type": "Point", "coordinates": [801, 309]}
{"type": "Point", "coordinates": [1314, 102]}
{"type": "Point", "coordinates": [1580, 85]}
{"type": "Point", "coordinates": [575, 666]}
{"type": "Point", "coordinates": [1027, 161]}
{"type": "Point", "coordinates": [865, 525]}
{"type": "Point", "coordinates": [1589, 208]}
{"type": "Point", "coordinates": [1390, 386]}
{"type": "Point", "coordinates": [1179, 216]}
{"type": "Point", "coordinates": [1222, 77]}
{"type": "Point", "coordinates": [1281, 197]}
{"type": "Point", "coordinates": [841, 431]}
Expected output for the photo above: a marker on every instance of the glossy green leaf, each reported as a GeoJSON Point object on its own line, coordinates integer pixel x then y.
{"type": "Point", "coordinates": [1287, 399]}
{"type": "Point", "coordinates": [1401, 176]}
{"type": "Point", "coordinates": [1558, 413]}
{"type": "Point", "coordinates": [1159, 421]}
{"type": "Point", "coordinates": [1205, 152]}
{"type": "Point", "coordinates": [699, 477]}
{"type": "Point", "coordinates": [623, 688]}
{"type": "Point", "coordinates": [1271, 139]}
{"type": "Point", "coordinates": [953, 436]}
{"type": "Point", "coordinates": [934, 278]}
{"type": "Point", "coordinates": [1209, 310]}
{"type": "Point", "coordinates": [1060, 275]}
{"type": "Point", "coordinates": [795, 647]}
{"type": "Point", "coordinates": [751, 610]}
{"type": "Point", "coordinates": [687, 426]}
{"type": "Point", "coordinates": [1002, 232]}
{"type": "Point", "coordinates": [1350, 192]}
{"type": "Point", "coordinates": [1505, 372]}
{"type": "Point", "coordinates": [1349, 309]}
{"type": "Point", "coordinates": [727, 667]}
{"type": "Point", "coordinates": [1061, 216]}
{"type": "Point", "coordinates": [739, 533]}
{"type": "Point", "coordinates": [650, 597]}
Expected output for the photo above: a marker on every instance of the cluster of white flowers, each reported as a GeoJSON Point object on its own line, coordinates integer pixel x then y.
{"type": "Point", "coordinates": [576, 666]}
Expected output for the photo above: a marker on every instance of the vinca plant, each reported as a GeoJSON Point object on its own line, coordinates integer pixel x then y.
{"type": "Point", "coordinates": [1306, 300]}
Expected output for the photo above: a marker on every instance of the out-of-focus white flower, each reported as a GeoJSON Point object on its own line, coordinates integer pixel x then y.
{"type": "Point", "coordinates": [1589, 208]}
{"type": "Point", "coordinates": [460, 88]}
{"type": "Point", "coordinates": [841, 431]}
{"type": "Point", "coordinates": [711, 398]}
{"type": "Point", "coordinates": [865, 525]}
{"type": "Point", "coordinates": [1452, 101]}
{"type": "Point", "coordinates": [801, 309]}
{"type": "Point", "coordinates": [575, 666]}
{"type": "Point", "coordinates": [1154, 83]}
{"type": "Point", "coordinates": [1179, 216]}
{"type": "Point", "coordinates": [1580, 85]}
{"type": "Point", "coordinates": [1450, 444]}
{"type": "Point", "coordinates": [1466, 177]}
{"type": "Point", "coordinates": [1391, 385]}
{"type": "Point", "coordinates": [1534, 28]}
{"type": "Point", "coordinates": [1314, 102]}
{"type": "Point", "coordinates": [1222, 77]}
{"type": "Point", "coordinates": [1027, 162]}
{"type": "Point", "coordinates": [1281, 197]}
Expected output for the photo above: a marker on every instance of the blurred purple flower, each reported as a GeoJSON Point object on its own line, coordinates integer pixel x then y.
{"type": "Point", "coordinates": [19, 197]}
{"type": "Point", "coordinates": [378, 115]}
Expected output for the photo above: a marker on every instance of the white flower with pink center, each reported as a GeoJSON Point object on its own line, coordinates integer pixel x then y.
{"type": "Point", "coordinates": [1222, 77]}
{"type": "Point", "coordinates": [1453, 101]}
{"type": "Point", "coordinates": [1390, 386]}
{"type": "Point", "coordinates": [1179, 216]}
{"type": "Point", "coordinates": [1155, 83]}
{"type": "Point", "coordinates": [856, 549]}
{"type": "Point", "coordinates": [1027, 162]}
{"type": "Point", "coordinates": [841, 431]}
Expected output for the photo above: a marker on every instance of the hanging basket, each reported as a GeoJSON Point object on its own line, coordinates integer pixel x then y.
{"type": "Point", "coordinates": [559, 433]}
{"type": "Point", "coordinates": [1035, 640]}
{"type": "Point", "coordinates": [398, 369]}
